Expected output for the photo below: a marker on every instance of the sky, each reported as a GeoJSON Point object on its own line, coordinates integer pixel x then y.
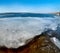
{"type": "Point", "coordinates": [36, 6]}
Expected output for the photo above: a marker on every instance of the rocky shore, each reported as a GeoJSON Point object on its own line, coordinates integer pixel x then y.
{"type": "Point", "coordinates": [40, 44]}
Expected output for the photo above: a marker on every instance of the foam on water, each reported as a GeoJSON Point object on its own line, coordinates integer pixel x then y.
{"type": "Point", "coordinates": [14, 32]}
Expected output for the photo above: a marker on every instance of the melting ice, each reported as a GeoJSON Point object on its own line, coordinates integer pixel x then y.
{"type": "Point", "coordinates": [14, 32]}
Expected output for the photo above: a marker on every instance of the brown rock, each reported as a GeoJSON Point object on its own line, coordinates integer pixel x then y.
{"type": "Point", "coordinates": [40, 44]}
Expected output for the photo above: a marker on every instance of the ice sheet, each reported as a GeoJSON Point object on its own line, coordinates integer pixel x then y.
{"type": "Point", "coordinates": [14, 32]}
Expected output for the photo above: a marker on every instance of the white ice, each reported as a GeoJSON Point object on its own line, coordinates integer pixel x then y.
{"type": "Point", "coordinates": [14, 32]}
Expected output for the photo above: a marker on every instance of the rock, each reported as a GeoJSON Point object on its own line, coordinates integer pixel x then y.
{"type": "Point", "coordinates": [40, 44]}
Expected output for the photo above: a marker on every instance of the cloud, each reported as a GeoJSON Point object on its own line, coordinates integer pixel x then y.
{"type": "Point", "coordinates": [22, 8]}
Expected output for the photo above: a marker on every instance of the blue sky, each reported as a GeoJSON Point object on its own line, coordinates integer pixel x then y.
{"type": "Point", "coordinates": [38, 6]}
